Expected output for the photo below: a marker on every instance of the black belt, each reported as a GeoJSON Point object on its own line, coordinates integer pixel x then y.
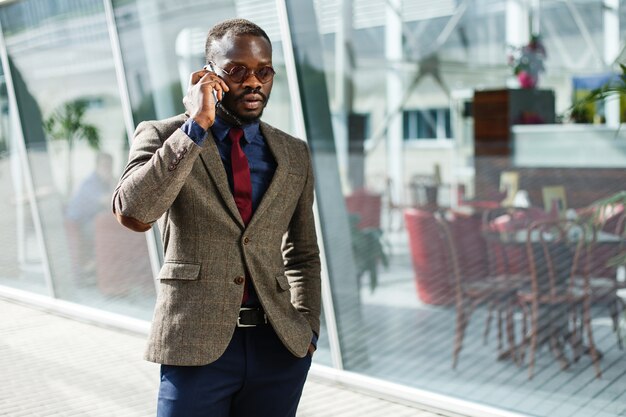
{"type": "Point", "coordinates": [251, 317]}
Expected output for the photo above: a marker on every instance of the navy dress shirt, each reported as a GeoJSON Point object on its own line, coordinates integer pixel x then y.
{"type": "Point", "coordinates": [260, 159]}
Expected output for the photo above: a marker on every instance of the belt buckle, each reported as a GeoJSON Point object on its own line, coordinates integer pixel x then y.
{"type": "Point", "coordinates": [239, 324]}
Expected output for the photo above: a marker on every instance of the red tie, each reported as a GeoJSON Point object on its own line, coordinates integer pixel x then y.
{"type": "Point", "coordinates": [242, 186]}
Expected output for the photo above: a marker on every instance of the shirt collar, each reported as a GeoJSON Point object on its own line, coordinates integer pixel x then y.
{"type": "Point", "coordinates": [220, 130]}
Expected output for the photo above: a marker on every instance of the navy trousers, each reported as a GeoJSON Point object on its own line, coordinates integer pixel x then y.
{"type": "Point", "coordinates": [256, 377]}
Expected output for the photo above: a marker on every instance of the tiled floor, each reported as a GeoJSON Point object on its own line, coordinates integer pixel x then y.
{"type": "Point", "coordinates": [410, 343]}
{"type": "Point", "coordinates": [54, 366]}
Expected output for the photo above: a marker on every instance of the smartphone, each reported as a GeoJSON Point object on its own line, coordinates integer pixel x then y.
{"type": "Point", "coordinates": [218, 103]}
{"type": "Point", "coordinates": [209, 67]}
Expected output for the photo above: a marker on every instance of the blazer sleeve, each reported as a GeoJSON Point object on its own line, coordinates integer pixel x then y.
{"type": "Point", "coordinates": [301, 254]}
{"type": "Point", "coordinates": [156, 171]}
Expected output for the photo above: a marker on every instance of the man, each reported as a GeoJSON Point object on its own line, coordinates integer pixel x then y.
{"type": "Point", "coordinates": [90, 199]}
{"type": "Point", "coordinates": [237, 312]}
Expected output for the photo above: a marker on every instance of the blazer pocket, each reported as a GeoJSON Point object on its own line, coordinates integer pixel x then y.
{"type": "Point", "coordinates": [283, 282]}
{"type": "Point", "coordinates": [179, 270]}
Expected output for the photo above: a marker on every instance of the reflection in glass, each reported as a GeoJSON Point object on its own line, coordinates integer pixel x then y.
{"type": "Point", "coordinates": [89, 200]}
{"type": "Point", "coordinates": [163, 43]}
{"type": "Point", "coordinates": [21, 264]}
{"type": "Point", "coordinates": [76, 144]}
{"type": "Point", "coordinates": [437, 70]}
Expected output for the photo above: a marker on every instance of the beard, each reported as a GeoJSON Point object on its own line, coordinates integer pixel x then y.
{"type": "Point", "coordinates": [228, 107]}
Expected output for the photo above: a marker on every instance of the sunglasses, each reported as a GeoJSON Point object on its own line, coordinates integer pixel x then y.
{"type": "Point", "coordinates": [239, 73]}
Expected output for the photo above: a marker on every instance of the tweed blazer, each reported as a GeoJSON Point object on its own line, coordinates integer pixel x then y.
{"type": "Point", "coordinates": [207, 248]}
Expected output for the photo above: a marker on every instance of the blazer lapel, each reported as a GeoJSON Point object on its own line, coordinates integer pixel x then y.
{"type": "Point", "coordinates": [279, 180]}
{"type": "Point", "coordinates": [210, 156]}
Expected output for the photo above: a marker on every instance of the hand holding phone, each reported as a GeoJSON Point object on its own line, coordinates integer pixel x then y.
{"type": "Point", "coordinates": [209, 68]}
{"type": "Point", "coordinates": [203, 93]}
{"type": "Point", "coordinates": [218, 102]}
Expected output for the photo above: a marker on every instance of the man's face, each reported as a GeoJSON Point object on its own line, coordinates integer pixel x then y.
{"type": "Point", "coordinates": [248, 98]}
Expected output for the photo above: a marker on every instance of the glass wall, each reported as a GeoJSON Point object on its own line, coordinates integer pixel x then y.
{"type": "Point", "coordinates": [457, 189]}
{"type": "Point", "coordinates": [21, 262]}
{"type": "Point", "coordinates": [477, 244]}
{"type": "Point", "coordinates": [162, 43]}
{"type": "Point", "coordinates": [62, 61]}
{"type": "Point", "coordinates": [70, 114]}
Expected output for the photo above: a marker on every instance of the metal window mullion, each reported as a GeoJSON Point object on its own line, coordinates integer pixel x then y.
{"type": "Point", "coordinates": [23, 156]}
{"type": "Point", "coordinates": [153, 252]}
{"type": "Point", "coordinates": [441, 124]}
{"type": "Point", "coordinates": [300, 129]}
{"type": "Point", "coordinates": [119, 70]}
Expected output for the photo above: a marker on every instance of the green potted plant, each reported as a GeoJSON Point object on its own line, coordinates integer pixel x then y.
{"type": "Point", "coordinates": [616, 87]}
{"type": "Point", "coordinates": [613, 88]}
{"type": "Point", "coordinates": [67, 123]}
{"type": "Point", "coordinates": [609, 89]}
{"type": "Point", "coordinates": [369, 250]}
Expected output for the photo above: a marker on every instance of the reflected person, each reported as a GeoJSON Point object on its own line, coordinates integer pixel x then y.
{"type": "Point", "coordinates": [92, 197]}
{"type": "Point", "coordinates": [238, 306]}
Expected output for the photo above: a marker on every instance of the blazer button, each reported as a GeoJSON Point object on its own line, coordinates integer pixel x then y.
{"type": "Point", "coordinates": [171, 168]}
{"type": "Point", "coordinates": [239, 280]}
{"type": "Point", "coordinates": [246, 240]}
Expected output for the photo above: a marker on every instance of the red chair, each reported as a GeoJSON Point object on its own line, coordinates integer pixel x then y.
{"type": "Point", "coordinates": [557, 250]}
{"type": "Point", "coordinates": [432, 281]}
{"type": "Point", "coordinates": [471, 292]}
{"type": "Point", "coordinates": [367, 206]}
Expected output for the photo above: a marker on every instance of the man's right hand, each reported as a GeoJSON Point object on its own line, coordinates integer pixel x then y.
{"type": "Point", "coordinates": [199, 101]}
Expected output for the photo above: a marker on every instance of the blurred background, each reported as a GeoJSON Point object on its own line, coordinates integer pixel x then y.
{"type": "Point", "coordinates": [469, 163]}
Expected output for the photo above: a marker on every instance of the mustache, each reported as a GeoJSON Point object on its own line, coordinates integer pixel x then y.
{"type": "Point", "coordinates": [251, 91]}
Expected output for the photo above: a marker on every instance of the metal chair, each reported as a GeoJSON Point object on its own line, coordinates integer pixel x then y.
{"type": "Point", "coordinates": [603, 282]}
{"type": "Point", "coordinates": [559, 264]}
{"type": "Point", "coordinates": [497, 291]}
{"type": "Point", "coordinates": [507, 260]}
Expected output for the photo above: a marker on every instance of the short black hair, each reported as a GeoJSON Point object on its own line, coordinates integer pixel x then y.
{"type": "Point", "coordinates": [235, 27]}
